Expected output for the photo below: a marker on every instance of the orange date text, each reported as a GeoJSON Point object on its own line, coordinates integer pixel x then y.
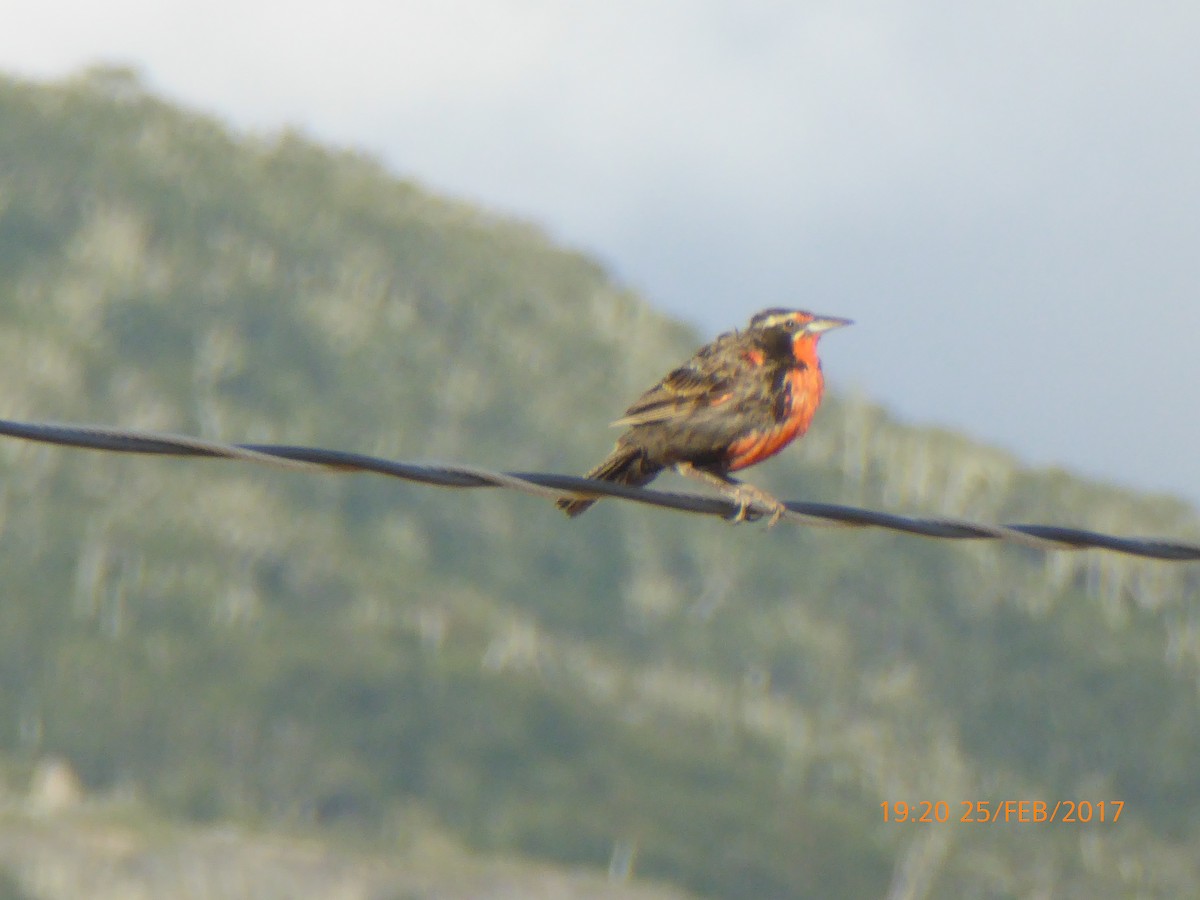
{"type": "Point", "coordinates": [985, 812]}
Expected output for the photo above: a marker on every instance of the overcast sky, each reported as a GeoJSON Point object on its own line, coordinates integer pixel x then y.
{"type": "Point", "coordinates": [1005, 196]}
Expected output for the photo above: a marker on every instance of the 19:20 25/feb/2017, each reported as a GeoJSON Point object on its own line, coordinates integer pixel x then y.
{"type": "Point", "coordinates": [982, 812]}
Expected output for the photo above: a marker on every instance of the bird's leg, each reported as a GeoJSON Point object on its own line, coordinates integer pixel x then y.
{"type": "Point", "coordinates": [745, 495]}
{"type": "Point", "coordinates": [748, 495]}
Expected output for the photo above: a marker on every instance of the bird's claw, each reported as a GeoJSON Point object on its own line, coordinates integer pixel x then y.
{"type": "Point", "coordinates": [751, 499]}
{"type": "Point", "coordinates": [748, 498]}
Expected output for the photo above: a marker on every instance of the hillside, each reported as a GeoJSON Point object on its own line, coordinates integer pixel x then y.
{"type": "Point", "coordinates": [365, 660]}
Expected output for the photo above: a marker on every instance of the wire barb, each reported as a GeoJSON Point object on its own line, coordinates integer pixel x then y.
{"type": "Point", "coordinates": [554, 486]}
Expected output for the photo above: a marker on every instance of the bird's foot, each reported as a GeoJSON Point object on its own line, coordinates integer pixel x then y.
{"type": "Point", "coordinates": [746, 496]}
{"type": "Point", "coordinates": [750, 498]}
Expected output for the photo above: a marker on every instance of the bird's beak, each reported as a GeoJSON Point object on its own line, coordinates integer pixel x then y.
{"type": "Point", "coordinates": [824, 323]}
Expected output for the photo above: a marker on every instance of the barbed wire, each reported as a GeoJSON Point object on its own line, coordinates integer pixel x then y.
{"type": "Point", "coordinates": [554, 486]}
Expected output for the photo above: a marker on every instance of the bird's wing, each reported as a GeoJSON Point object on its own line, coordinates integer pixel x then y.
{"type": "Point", "coordinates": [700, 383]}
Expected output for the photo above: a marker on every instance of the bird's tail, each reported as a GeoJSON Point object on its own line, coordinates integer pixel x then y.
{"type": "Point", "coordinates": [625, 465]}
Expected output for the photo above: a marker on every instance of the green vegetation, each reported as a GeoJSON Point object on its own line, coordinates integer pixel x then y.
{"type": "Point", "coordinates": [297, 651]}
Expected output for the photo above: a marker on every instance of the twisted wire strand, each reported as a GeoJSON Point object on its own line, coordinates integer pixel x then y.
{"type": "Point", "coordinates": [554, 486]}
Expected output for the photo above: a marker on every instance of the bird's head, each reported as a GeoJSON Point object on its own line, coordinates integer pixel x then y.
{"type": "Point", "coordinates": [796, 325]}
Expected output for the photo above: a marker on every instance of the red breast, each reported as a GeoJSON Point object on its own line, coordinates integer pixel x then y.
{"type": "Point", "coordinates": [804, 386]}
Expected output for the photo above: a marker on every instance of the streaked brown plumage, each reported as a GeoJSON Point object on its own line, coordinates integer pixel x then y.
{"type": "Point", "coordinates": [736, 402]}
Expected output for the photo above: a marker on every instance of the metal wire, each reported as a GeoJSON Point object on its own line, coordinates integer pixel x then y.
{"type": "Point", "coordinates": [553, 486]}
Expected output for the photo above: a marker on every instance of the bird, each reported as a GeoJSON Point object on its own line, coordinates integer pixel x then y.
{"type": "Point", "coordinates": [739, 400]}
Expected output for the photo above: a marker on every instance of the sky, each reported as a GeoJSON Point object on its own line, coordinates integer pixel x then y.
{"type": "Point", "coordinates": [1004, 196]}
